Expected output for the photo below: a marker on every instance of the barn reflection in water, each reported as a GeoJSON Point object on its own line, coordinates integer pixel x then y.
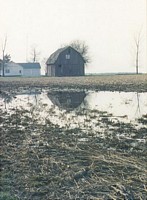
{"type": "Point", "coordinates": [67, 100]}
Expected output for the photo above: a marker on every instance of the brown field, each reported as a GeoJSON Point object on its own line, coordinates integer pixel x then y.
{"type": "Point", "coordinates": [128, 83]}
{"type": "Point", "coordinates": [42, 160]}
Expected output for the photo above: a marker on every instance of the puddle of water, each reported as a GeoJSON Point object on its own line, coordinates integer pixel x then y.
{"type": "Point", "coordinates": [129, 106]}
{"type": "Point", "coordinates": [79, 129]}
{"type": "Point", "coordinates": [74, 109]}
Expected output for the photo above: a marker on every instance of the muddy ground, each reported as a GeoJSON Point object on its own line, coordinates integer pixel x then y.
{"type": "Point", "coordinates": [128, 83]}
{"type": "Point", "coordinates": [41, 161]}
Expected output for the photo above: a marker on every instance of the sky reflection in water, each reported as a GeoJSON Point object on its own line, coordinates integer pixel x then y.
{"type": "Point", "coordinates": [53, 105]}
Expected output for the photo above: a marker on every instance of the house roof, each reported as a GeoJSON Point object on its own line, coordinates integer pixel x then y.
{"type": "Point", "coordinates": [54, 56]}
{"type": "Point", "coordinates": [30, 65]}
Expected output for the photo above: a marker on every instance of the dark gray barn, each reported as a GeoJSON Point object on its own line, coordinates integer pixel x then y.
{"type": "Point", "coordinates": [65, 62]}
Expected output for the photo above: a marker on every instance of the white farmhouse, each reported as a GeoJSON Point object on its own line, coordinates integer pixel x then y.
{"type": "Point", "coordinates": [21, 69]}
{"type": "Point", "coordinates": [1, 66]}
{"type": "Point", "coordinates": [13, 69]}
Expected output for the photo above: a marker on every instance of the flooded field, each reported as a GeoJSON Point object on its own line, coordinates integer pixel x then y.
{"type": "Point", "coordinates": [73, 144]}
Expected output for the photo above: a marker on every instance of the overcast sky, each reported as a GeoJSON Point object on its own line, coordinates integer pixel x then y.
{"type": "Point", "coordinates": [107, 26]}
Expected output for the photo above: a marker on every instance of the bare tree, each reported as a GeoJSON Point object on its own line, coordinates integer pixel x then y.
{"type": "Point", "coordinates": [35, 53]}
{"type": "Point", "coordinates": [3, 55]}
{"type": "Point", "coordinates": [82, 48]}
{"type": "Point", "coordinates": [137, 42]}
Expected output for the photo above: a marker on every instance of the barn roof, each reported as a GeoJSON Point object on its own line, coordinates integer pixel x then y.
{"type": "Point", "coordinates": [30, 65]}
{"type": "Point", "coordinates": [54, 56]}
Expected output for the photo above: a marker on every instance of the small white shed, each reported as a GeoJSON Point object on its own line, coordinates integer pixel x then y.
{"type": "Point", "coordinates": [31, 69]}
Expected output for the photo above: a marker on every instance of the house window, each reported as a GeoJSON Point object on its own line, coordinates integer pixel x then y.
{"type": "Point", "coordinates": [67, 56]}
{"type": "Point", "coordinates": [20, 71]}
{"type": "Point", "coordinates": [7, 71]}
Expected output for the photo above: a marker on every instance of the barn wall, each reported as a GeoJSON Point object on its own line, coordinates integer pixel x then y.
{"type": "Point", "coordinates": [1, 69]}
{"type": "Point", "coordinates": [73, 66]}
{"type": "Point", "coordinates": [51, 70]}
{"type": "Point", "coordinates": [48, 70]}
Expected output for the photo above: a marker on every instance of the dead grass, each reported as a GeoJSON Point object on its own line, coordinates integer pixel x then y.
{"type": "Point", "coordinates": [127, 83]}
{"type": "Point", "coordinates": [40, 162]}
